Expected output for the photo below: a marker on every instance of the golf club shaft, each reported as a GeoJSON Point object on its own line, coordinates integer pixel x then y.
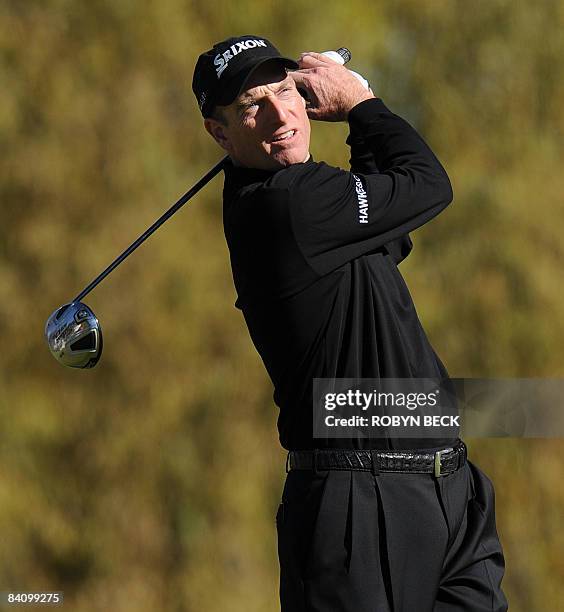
{"type": "Point", "coordinates": [201, 183]}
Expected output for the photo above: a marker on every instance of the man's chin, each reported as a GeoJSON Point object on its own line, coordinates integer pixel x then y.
{"type": "Point", "coordinates": [288, 158]}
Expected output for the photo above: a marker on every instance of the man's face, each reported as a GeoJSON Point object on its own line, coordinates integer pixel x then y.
{"type": "Point", "coordinates": [266, 127]}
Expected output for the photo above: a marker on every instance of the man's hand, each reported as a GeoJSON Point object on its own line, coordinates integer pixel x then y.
{"type": "Point", "coordinates": [332, 90]}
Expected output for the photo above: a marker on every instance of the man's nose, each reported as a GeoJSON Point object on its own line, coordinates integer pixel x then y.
{"type": "Point", "coordinates": [276, 109]}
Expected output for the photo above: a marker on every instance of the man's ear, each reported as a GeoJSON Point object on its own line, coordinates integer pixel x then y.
{"type": "Point", "coordinates": [217, 131]}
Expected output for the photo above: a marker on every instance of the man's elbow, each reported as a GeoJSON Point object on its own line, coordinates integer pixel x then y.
{"type": "Point", "coordinates": [435, 188]}
{"type": "Point", "coordinates": [443, 189]}
{"type": "Point", "coordinates": [446, 190]}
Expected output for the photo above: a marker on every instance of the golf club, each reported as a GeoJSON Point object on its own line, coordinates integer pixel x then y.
{"type": "Point", "coordinates": [73, 332]}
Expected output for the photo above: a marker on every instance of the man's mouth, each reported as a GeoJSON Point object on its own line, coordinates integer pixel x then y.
{"type": "Point", "coordinates": [283, 137]}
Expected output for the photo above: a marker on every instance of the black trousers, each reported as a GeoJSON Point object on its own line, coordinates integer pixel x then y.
{"type": "Point", "coordinates": [351, 541]}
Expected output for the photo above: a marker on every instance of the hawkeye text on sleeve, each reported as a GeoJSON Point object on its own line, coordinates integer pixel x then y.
{"type": "Point", "coordinates": [362, 201]}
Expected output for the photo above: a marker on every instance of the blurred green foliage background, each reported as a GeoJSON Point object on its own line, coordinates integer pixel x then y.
{"type": "Point", "coordinates": [152, 481]}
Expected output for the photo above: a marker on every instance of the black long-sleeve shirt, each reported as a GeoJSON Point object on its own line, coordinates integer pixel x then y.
{"type": "Point", "coordinates": [314, 252]}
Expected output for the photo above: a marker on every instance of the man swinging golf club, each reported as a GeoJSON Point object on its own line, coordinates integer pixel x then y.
{"type": "Point", "coordinates": [365, 525]}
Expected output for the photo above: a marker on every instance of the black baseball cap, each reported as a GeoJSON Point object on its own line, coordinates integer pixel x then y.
{"type": "Point", "coordinates": [221, 73]}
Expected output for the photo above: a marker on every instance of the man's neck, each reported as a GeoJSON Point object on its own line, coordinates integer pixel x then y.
{"type": "Point", "coordinates": [238, 164]}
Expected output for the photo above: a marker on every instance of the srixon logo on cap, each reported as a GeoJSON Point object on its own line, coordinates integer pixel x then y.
{"type": "Point", "coordinates": [222, 59]}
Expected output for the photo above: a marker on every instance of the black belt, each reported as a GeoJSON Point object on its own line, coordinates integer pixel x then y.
{"type": "Point", "coordinates": [440, 463]}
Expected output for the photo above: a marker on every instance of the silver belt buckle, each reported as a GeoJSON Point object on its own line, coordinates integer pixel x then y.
{"type": "Point", "coordinates": [438, 462]}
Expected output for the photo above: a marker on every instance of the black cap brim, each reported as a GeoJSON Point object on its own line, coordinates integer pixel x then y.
{"type": "Point", "coordinates": [236, 85]}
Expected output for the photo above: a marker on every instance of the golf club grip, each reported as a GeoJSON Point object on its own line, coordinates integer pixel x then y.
{"type": "Point", "coordinates": [164, 217]}
{"type": "Point", "coordinates": [342, 56]}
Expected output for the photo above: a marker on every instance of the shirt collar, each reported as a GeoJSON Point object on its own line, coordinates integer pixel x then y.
{"type": "Point", "coordinates": [237, 177]}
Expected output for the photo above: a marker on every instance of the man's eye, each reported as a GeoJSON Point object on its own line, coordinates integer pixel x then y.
{"type": "Point", "coordinates": [248, 109]}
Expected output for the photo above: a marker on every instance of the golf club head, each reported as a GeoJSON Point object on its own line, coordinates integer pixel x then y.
{"type": "Point", "coordinates": [74, 336]}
